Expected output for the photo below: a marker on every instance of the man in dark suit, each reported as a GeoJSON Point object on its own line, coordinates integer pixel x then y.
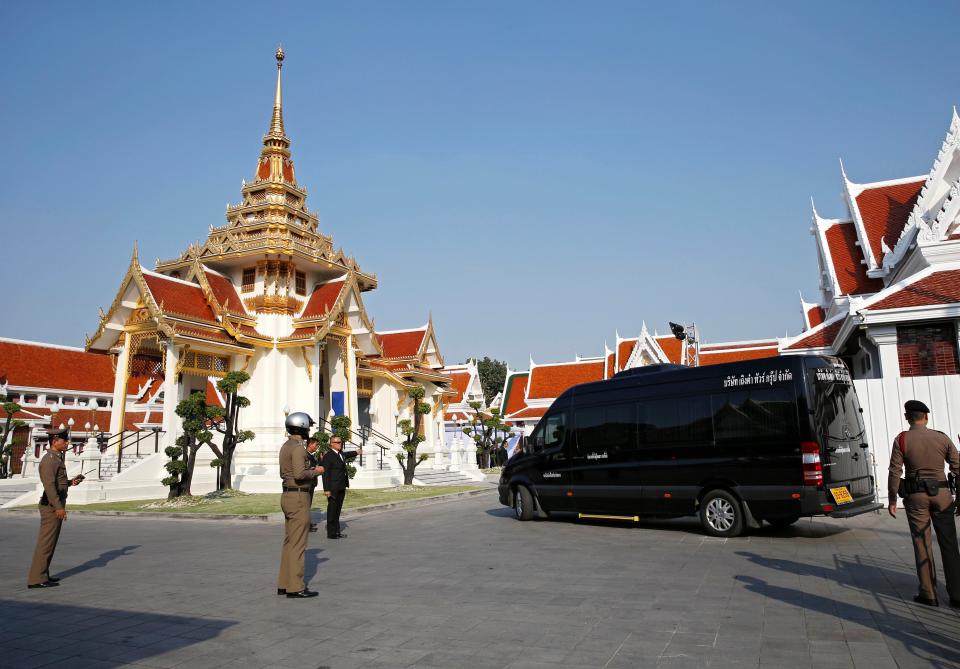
{"type": "Point", "coordinates": [335, 483]}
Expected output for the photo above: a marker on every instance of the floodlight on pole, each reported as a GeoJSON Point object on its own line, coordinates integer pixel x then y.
{"type": "Point", "coordinates": [691, 341]}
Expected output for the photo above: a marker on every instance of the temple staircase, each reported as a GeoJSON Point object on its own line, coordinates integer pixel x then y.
{"type": "Point", "coordinates": [108, 464]}
{"type": "Point", "coordinates": [438, 477]}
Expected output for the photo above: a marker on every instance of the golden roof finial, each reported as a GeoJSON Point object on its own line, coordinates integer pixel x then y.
{"type": "Point", "coordinates": [276, 123]}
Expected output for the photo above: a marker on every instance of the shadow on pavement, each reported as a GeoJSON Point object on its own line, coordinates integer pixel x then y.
{"type": "Point", "coordinates": [100, 561]}
{"type": "Point", "coordinates": [938, 647]}
{"type": "Point", "coordinates": [117, 638]}
{"type": "Point", "coordinates": [312, 560]}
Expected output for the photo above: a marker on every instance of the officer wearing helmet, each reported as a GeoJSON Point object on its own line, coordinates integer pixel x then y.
{"type": "Point", "coordinates": [298, 481]}
{"type": "Point", "coordinates": [926, 499]}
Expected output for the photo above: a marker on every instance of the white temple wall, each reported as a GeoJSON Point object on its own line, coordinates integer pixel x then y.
{"type": "Point", "coordinates": [882, 402]}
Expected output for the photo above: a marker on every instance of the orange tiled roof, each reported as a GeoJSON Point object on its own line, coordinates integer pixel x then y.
{"type": "Point", "coordinates": [938, 288]}
{"type": "Point", "coordinates": [672, 347]}
{"type": "Point", "coordinates": [820, 338]}
{"type": "Point", "coordinates": [624, 349]}
{"type": "Point", "coordinates": [528, 413]}
{"type": "Point", "coordinates": [459, 380]}
{"type": "Point", "coordinates": [41, 366]}
{"type": "Point", "coordinates": [736, 354]}
{"type": "Point", "coordinates": [846, 255]}
{"type": "Point", "coordinates": [516, 388]}
{"type": "Point", "coordinates": [815, 315]}
{"type": "Point", "coordinates": [200, 332]}
{"type": "Point", "coordinates": [884, 211]}
{"type": "Point", "coordinates": [180, 298]}
{"type": "Point", "coordinates": [738, 345]}
{"type": "Point", "coordinates": [322, 299]}
{"type": "Point", "coordinates": [549, 381]}
{"type": "Point", "coordinates": [611, 365]}
{"type": "Point", "coordinates": [225, 292]}
{"type": "Point", "coordinates": [212, 398]}
{"type": "Point", "coordinates": [404, 344]}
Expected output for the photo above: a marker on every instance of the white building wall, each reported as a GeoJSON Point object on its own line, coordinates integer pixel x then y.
{"type": "Point", "coordinates": [882, 402]}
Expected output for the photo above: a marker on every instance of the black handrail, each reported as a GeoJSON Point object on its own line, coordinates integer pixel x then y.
{"type": "Point", "coordinates": [363, 436]}
{"type": "Point", "coordinates": [108, 441]}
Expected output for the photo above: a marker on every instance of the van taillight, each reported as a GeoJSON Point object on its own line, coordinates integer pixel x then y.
{"type": "Point", "coordinates": [812, 468]}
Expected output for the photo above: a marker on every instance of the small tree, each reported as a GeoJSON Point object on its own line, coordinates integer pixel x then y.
{"type": "Point", "coordinates": [487, 431]}
{"type": "Point", "coordinates": [492, 374]}
{"type": "Point", "coordinates": [6, 436]}
{"type": "Point", "coordinates": [197, 418]}
{"type": "Point", "coordinates": [225, 422]}
{"type": "Point", "coordinates": [412, 434]}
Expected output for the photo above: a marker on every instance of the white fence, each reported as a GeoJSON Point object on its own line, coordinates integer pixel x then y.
{"type": "Point", "coordinates": [882, 402]}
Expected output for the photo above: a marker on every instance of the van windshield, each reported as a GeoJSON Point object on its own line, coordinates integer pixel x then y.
{"type": "Point", "coordinates": [834, 403]}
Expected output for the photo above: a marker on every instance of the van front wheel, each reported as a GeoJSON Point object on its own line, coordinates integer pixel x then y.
{"type": "Point", "coordinates": [522, 503]}
{"type": "Point", "coordinates": [721, 514]}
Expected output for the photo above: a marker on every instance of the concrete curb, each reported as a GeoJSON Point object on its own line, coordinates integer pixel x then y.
{"type": "Point", "coordinates": [267, 517]}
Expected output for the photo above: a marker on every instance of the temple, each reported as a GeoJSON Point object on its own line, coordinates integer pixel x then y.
{"type": "Point", "coordinates": [266, 293]}
{"type": "Point", "coordinates": [528, 394]}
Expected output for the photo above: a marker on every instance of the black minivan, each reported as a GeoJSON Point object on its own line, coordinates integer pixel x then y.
{"type": "Point", "coordinates": [737, 444]}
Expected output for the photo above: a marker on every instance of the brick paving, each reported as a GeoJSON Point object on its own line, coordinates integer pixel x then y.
{"type": "Point", "coordinates": [462, 584]}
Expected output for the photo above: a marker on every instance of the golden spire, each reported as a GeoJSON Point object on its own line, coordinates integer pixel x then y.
{"type": "Point", "coordinates": [276, 123]}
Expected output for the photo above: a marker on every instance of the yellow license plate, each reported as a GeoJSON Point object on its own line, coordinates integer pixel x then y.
{"type": "Point", "coordinates": [841, 495]}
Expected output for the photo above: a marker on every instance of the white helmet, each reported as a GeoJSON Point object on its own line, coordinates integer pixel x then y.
{"type": "Point", "coordinates": [299, 423]}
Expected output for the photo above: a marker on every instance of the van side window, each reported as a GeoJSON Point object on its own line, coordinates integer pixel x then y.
{"type": "Point", "coordinates": [554, 429]}
{"type": "Point", "coordinates": [610, 429]}
{"type": "Point", "coordinates": [677, 421]}
{"type": "Point", "coordinates": [757, 413]}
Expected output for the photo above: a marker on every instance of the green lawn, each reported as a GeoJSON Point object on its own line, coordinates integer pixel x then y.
{"type": "Point", "coordinates": [256, 504]}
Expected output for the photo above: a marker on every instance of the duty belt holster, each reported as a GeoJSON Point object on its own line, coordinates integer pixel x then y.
{"type": "Point", "coordinates": [914, 484]}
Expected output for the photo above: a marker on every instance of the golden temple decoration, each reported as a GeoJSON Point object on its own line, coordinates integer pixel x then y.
{"type": "Point", "coordinates": [306, 362]}
{"type": "Point", "coordinates": [274, 304]}
{"type": "Point", "coordinates": [197, 363]}
{"type": "Point", "coordinates": [273, 217]}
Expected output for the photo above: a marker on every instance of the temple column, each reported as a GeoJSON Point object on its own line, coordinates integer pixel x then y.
{"type": "Point", "coordinates": [171, 392]}
{"type": "Point", "coordinates": [120, 387]}
{"type": "Point", "coordinates": [885, 339]}
{"type": "Point", "coordinates": [350, 368]}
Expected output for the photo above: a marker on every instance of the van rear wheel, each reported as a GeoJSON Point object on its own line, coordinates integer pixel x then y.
{"type": "Point", "coordinates": [721, 514]}
{"type": "Point", "coordinates": [522, 503]}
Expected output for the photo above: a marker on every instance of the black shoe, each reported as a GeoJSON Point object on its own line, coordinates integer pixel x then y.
{"type": "Point", "coordinates": [919, 599]}
{"type": "Point", "coordinates": [333, 536]}
{"type": "Point", "coordinates": [313, 528]}
{"type": "Point", "coordinates": [303, 594]}
{"type": "Point", "coordinates": [341, 536]}
{"type": "Point", "coordinates": [45, 584]}
{"type": "Point", "coordinates": [281, 591]}
{"type": "Point", "coordinates": [53, 580]}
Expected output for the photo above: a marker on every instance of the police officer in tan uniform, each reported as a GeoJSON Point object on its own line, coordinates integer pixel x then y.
{"type": "Point", "coordinates": [927, 500]}
{"type": "Point", "coordinates": [53, 476]}
{"type": "Point", "coordinates": [297, 476]}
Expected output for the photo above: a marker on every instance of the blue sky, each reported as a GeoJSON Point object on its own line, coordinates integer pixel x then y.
{"type": "Point", "coordinates": [537, 174]}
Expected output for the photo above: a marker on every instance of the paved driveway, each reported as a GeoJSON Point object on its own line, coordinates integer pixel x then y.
{"type": "Point", "coordinates": [462, 584]}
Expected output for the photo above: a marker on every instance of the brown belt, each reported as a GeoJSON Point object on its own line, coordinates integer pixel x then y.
{"type": "Point", "coordinates": [289, 489]}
